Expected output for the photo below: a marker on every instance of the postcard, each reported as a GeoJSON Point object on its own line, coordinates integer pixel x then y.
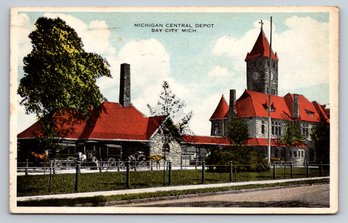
{"type": "Point", "coordinates": [174, 110]}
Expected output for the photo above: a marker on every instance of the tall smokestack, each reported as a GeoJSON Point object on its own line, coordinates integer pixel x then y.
{"type": "Point", "coordinates": [125, 86]}
{"type": "Point", "coordinates": [295, 108]}
{"type": "Point", "coordinates": [231, 106]}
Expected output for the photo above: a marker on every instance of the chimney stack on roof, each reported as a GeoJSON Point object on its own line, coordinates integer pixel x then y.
{"type": "Point", "coordinates": [295, 107]}
{"type": "Point", "coordinates": [231, 112]}
{"type": "Point", "coordinates": [125, 86]}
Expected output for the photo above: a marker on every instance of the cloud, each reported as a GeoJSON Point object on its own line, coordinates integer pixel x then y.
{"type": "Point", "coordinates": [219, 71]}
{"type": "Point", "coordinates": [22, 27]}
{"type": "Point", "coordinates": [304, 53]}
{"type": "Point", "coordinates": [202, 112]}
{"type": "Point", "coordinates": [302, 48]}
{"type": "Point", "coordinates": [150, 66]}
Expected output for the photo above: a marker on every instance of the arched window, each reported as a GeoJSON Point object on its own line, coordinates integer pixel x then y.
{"type": "Point", "coordinates": [263, 127]}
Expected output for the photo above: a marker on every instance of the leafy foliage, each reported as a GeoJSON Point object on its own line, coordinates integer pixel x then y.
{"type": "Point", "coordinates": [320, 134]}
{"type": "Point", "coordinates": [168, 104]}
{"type": "Point", "coordinates": [237, 131]}
{"type": "Point", "coordinates": [292, 134]}
{"type": "Point", "coordinates": [246, 159]}
{"type": "Point", "coordinates": [59, 76]}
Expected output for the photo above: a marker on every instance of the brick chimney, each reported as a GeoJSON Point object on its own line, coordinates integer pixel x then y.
{"type": "Point", "coordinates": [295, 107]}
{"type": "Point", "coordinates": [231, 112]}
{"type": "Point", "coordinates": [125, 85]}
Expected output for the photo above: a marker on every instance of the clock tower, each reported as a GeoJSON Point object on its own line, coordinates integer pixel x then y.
{"type": "Point", "coordinates": [259, 64]}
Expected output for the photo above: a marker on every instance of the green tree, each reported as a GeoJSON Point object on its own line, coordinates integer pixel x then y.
{"type": "Point", "coordinates": [59, 77]}
{"type": "Point", "coordinates": [169, 104]}
{"type": "Point", "coordinates": [237, 131]}
{"type": "Point", "coordinates": [245, 158]}
{"type": "Point", "coordinates": [292, 134]}
{"type": "Point", "coordinates": [320, 134]}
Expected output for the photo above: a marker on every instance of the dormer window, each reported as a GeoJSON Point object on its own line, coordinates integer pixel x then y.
{"type": "Point", "coordinates": [265, 106]}
{"type": "Point", "coordinates": [310, 113]}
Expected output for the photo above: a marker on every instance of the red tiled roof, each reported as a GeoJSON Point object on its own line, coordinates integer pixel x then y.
{"type": "Point", "coordinates": [114, 122]}
{"type": "Point", "coordinates": [206, 140]}
{"type": "Point", "coordinates": [264, 142]}
{"type": "Point", "coordinates": [221, 110]}
{"type": "Point", "coordinates": [324, 113]}
{"type": "Point", "coordinates": [253, 103]}
{"type": "Point", "coordinates": [223, 141]}
{"type": "Point", "coordinates": [64, 120]}
{"type": "Point", "coordinates": [260, 49]}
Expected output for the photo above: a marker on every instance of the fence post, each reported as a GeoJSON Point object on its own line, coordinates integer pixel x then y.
{"type": "Point", "coordinates": [118, 165]}
{"type": "Point", "coordinates": [77, 176]}
{"type": "Point", "coordinates": [321, 169]}
{"type": "Point", "coordinates": [151, 167]}
{"type": "Point", "coordinates": [127, 175]}
{"type": "Point", "coordinates": [274, 170]}
{"type": "Point", "coordinates": [54, 166]}
{"type": "Point", "coordinates": [203, 172]}
{"type": "Point", "coordinates": [26, 167]}
{"type": "Point", "coordinates": [307, 171]}
{"type": "Point", "coordinates": [169, 173]}
{"type": "Point", "coordinates": [50, 179]}
{"type": "Point", "coordinates": [284, 175]}
{"type": "Point", "coordinates": [291, 169]}
{"type": "Point", "coordinates": [164, 172]}
{"type": "Point", "coordinates": [231, 171]}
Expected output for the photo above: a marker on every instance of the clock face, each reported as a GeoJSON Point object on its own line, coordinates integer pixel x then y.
{"type": "Point", "coordinates": [256, 75]}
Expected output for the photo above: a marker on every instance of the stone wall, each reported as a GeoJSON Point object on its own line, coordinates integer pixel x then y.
{"type": "Point", "coordinates": [156, 148]}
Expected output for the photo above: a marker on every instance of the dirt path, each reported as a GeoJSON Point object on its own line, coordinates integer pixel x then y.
{"type": "Point", "coordinates": [301, 196]}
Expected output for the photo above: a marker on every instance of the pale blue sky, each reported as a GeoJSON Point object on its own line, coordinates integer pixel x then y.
{"type": "Point", "coordinates": [199, 66]}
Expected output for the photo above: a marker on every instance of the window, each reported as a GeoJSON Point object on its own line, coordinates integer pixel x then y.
{"type": "Point", "coordinates": [216, 128]}
{"type": "Point", "coordinates": [276, 128]}
{"type": "Point", "coordinates": [304, 130]}
{"type": "Point", "coordinates": [263, 127]}
{"type": "Point", "coordinates": [290, 154]}
{"type": "Point", "coordinates": [295, 153]}
{"type": "Point", "coordinates": [302, 153]}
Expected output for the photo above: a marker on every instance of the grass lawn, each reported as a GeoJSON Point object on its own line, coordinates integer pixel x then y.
{"type": "Point", "coordinates": [116, 199]}
{"type": "Point", "coordinates": [65, 183]}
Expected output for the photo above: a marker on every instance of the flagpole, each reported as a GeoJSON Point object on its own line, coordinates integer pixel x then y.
{"type": "Point", "coordinates": [269, 96]}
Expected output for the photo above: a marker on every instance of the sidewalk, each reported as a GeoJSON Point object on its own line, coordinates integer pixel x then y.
{"type": "Point", "coordinates": [158, 189]}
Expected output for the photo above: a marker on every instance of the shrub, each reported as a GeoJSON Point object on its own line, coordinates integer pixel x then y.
{"type": "Point", "coordinates": [245, 159]}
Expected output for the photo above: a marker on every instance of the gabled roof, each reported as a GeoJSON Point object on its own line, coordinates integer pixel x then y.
{"type": "Point", "coordinates": [261, 49]}
{"type": "Point", "coordinates": [254, 104]}
{"type": "Point", "coordinates": [113, 122]}
{"type": "Point", "coordinates": [221, 110]}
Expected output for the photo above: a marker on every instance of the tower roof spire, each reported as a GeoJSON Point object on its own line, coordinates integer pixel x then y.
{"type": "Point", "coordinates": [261, 47]}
